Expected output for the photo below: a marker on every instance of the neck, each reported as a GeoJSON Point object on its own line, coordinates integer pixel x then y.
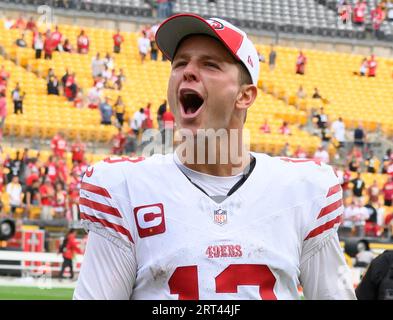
{"type": "Point", "coordinates": [213, 156]}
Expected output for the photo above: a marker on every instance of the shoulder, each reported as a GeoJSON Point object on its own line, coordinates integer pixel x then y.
{"type": "Point", "coordinates": [117, 169]}
{"type": "Point", "coordinates": [314, 178]}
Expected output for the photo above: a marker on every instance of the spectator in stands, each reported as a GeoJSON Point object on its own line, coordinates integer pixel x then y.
{"type": "Point", "coordinates": [17, 98]}
{"type": "Point", "coordinates": [301, 62]}
{"type": "Point", "coordinates": [372, 162]}
{"type": "Point", "coordinates": [160, 112]}
{"type": "Point", "coordinates": [121, 78]}
{"type": "Point", "coordinates": [143, 46]}
{"type": "Point", "coordinates": [372, 66]}
{"type": "Point", "coordinates": [131, 143]}
{"type": "Point", "coordinates": [338, 130]}
{"type": "Point", "coordinates": [363, 68]}
{"type": "Point", "coordinates": [120, 110]}
{"type": "Point", "coordinates": [53, 86]}
{"type": "Point", "coordinates": [48, 46]}
{"type": "Point", "coordinates": [8, 23]}
{"type": "Point", "coordinates": [47, 199]}
{"type": "Point", "coordinates": [377, 17]}
{"type": "Point", "coordinates": [57, 39]}
{"type": "Point", "coordinates": [373, 192]}
{"type": "Point", "coordinates": [359, 12]}
{"type": "Point", "coordinates": [272, 58]}
{"type": "Point", "coordinates": [97, 66]}
{"type": "Point", "coordinates": [137, 121]}
{"type": "Point", "coordinates": [108, 62]}
{"type": "Point", "coordinates": [118, 39]}
{"type": "Point", "coordinates": [316, 94]}
{"type": "Point", "coordinates": [69, 249]}
{"type": "Point", "coordinates": [78, 149]}
{"type": "Point", "coordinates": [31, 25]}
{"type": "Point", "coordinates": [94, 97]}
{"type": "Point", "coordinates": [354, 160]}
{"type": "Point", "coordinates": [301, 94]}
{"type": "Point", "coordinates": [360, 215]}
{"type": "Point", "coordinates": [388, 156]}
{"type": "Point", "coordinates": [19, 23]}
{"type": "Point", "coordinates": [21, 42]}
{"type": "Point", "coordinates": [118, 142]}
{"type": "Point", "coordinates": [364, 255]}
{"type": "Point", "coordinates": [106, 112]}
{"type": "Point", "coordinates": [345, 12]}
{"type": "Point", "coordinates": [106, 76]}
{"type": "Point", "coordinates": [170, 5]}
{"type": "Point", "coordinates": [15, 194]}
{"type": "Point", "coordinates": [322, 119]}
{"type": "Point", "coordinates": [265, 128]}
{"type": "Point", "coordinates": [61, 201]}
{"type": "Point", "coordinates": [153, 49]}
{"type": "Point", "coordinates": [32, 196]}
{"type": "Point", "coordinates": [359, 136]}
{"type": "Point", "coordinates": [3, 113]}
{"type": "Point", "coordinates": [168, 124]}
{"type": "Point", "coordinates": [286, 150]}
{"type": "Point", "coordinates": [321, 155]}
{"type": "Point", "coordinates": [162, 6]}
{"type": "Point", "coordinates": [300, 152]}
{"type": "Point", "coordinates": [59, 145]}
{"type": "Point", "coordinates": [148, 123]}
{"type": "Point", "coordinates": [325, 137]}
{"type": "Point", "coordinates": [389, 11]}
{"type": "Point", "coordinates": [38, 45]}
{"type": "Point", "coordinates": [261, 57]}
{"type": "Point", "coordinates": [387, 192]}
{"type": "Point", "coordinates": [83, 43]}
{"type": "Point", "coordinates": [358, 186]}
{"type": "Point", "coordinates": [285, 129]}
{"type": "Point", "coordinates": [71, 87]}
{"type": "Point", "coordinates": [67, 47]}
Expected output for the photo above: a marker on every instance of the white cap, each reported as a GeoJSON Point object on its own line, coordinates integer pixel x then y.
{"type": "Point", "coordinates": [175, 28]}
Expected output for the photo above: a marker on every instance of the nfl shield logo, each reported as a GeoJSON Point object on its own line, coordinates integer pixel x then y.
{"type": "Point", "coordinates": [220, 216]}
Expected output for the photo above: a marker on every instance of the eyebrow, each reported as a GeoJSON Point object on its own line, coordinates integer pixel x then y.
{"type": "Point", "coordinates": [202, 57]}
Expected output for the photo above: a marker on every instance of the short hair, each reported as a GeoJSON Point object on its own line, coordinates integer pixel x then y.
{"type": "Point", "coordinates": [244, 75]}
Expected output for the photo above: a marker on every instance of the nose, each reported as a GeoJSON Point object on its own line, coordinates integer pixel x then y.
{"type": "Point", "coordinates": [190, 72]}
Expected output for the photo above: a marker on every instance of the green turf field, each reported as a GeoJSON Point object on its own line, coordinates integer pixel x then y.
{"type": "Point", "coordinates": [29, 293]}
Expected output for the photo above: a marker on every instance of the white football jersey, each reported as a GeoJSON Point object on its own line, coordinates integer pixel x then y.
{"type": "Point", "coordinates": [274, 233]}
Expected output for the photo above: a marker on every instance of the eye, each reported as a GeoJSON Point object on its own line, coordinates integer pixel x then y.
{"type": "Point", "coordinates": [179, 63]}
{"type": "Point", "coordinates": [212, 64]}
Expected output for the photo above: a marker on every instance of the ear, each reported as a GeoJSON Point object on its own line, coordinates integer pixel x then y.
{"type": "Point", "coordinates": [246, 96]}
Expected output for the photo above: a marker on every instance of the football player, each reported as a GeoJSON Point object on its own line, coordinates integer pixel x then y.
{"type": "Point", "coordinates": [183, 226]}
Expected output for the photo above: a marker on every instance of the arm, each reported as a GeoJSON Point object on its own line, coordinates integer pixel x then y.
{"type": "Point", "coordinates": [324, 273]}
{"type": "Point", "coordinates": [107, 272]}
{"type": "Point", "coordinates": [109, 266]}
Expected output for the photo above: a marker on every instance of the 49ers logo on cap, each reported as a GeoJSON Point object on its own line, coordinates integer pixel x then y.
{"type": "Point", "coordinates": [150, 219]}
{"type": "Point", "coordinates": [215, 24]}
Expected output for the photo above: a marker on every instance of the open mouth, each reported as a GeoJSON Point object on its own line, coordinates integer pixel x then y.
{"type": "Point", "coordinates": [191, 102]}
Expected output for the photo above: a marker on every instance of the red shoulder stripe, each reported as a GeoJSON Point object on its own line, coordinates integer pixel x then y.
{"type": "Point", "coordinates": [333, 190]}
{"type": "Point", "coordinates": [107, 224]}
{"type": "Point", "coordinates": [99, 207]}
{"type": "Point", "coordinates": [330, 208]}
{"type": "Point", "coordinates": [328, 225]}
{"type": "Point", "coordinates": [95, 189]}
